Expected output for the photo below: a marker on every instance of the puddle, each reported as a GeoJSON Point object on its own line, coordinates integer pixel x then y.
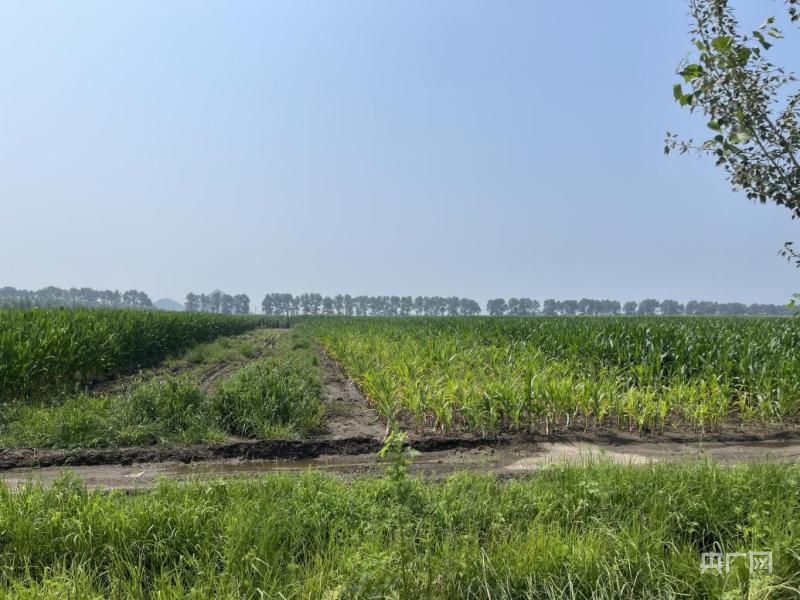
{"type": "Point", "coordinates": [242, 467]}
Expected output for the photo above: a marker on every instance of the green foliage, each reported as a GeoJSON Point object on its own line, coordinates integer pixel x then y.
{"type": "Point", "coordinates": [400, 456]}
{"type": "Point", "coordinates": [794, 302]}
{"type": "Point", "coordinates": [44, 352]}
{"type": "Point", "coordinates": [222, 351]}
{"type": "Point", "coordinates": [274, 397]}
{"type": "Point", "coordinates": [548, 373]}
{"type": "Point", "coordinates": [597, 531]}
{"type": "Point", "coordinates": [80, 421]}
{"type": "Point", "coordinates": [753, 106]}
{"type": "Point", "coordinates": [165, 409]}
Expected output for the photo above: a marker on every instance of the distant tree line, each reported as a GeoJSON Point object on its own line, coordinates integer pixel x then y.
{"type": "Point", "coordinates": [54, 297]}
{"type": "Point", "coordinates": [218, 302]}
{"type": "Point", "coordinates": [438, 306]}
{"type": "Point", "coordinates": [649, 306]}
{"type": "Point", "coordinates": [385, 306]}
{"type": "Point", "coordinates": [368, 306]}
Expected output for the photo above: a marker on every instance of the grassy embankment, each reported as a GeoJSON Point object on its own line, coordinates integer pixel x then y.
{"type": "Point", "coordinates": [599, 531]}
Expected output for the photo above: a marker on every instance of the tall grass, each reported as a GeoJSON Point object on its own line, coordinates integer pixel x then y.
{"type": "Point", "coordinates": [52, 351]}
{"type": "Point", "coordinates": [277, 396]}
{"type": "Point", "coordinates": [545, 373]}
{"type": "Point", "coordinates": [599, 531]}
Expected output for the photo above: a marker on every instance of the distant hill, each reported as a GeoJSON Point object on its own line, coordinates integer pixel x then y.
{"type": "Point", "coordinates": [167, 304]}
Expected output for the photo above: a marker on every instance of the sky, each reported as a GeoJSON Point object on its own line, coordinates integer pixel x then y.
{"type": "Point", "coordinates": [464, 148]}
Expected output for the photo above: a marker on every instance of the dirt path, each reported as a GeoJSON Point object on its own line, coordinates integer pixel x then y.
{"type": "Point", "coordinates": [348, 414]}
{"type": "Point", "coordinates": [504, 461]}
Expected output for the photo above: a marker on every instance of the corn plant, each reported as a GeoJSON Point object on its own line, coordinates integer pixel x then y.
{"type": "Point", "coordinates": [559, 373]}
{"type": "Point", "coordinates": [49, 352]}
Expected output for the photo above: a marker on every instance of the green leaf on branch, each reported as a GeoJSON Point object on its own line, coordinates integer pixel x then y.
{"type": "Point", "coordinates": [740, 137]}
{"type": "Point", "coordinates": [760, 37]}
{"type": "Point", "coordinates": [722, 42]}
{"type": "Point", "coordinates": [692, 71]}
{"type": "Point", "coordinates": [743, 55]}
{"type": "Point", "coordinates": [749, 104]}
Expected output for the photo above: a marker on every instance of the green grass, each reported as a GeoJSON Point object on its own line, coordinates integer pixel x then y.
{"type": "Point", "coordinates": [50, 352]}
{"type": "Point", "coordinates": [222, 351]}
{"type": "Point", "coordinates": [556, 373]}
{"type": "Point", "coordinates": [277, 396]}
{"type": "Point", "coordinates": [164, 410]}
{"type": "Point", "coordinates": [274, 397]}
{"type": "Point", "coordinates": [599, 531]}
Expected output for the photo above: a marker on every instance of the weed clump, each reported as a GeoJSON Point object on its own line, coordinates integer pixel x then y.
{"type": "Point", "coordinates": [277, 396]}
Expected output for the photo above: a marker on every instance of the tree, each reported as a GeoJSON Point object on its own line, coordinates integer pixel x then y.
{"type": "Point", "coordinates": [269, 305]}
{"type": "Point", "coordinates": [568, 307]}
{"type": "Point", "coordinates": [452, 304]}
{"type": "Point", "coordinates": [406, 304]}
{"type": "Point", "coordinates": [226, 304]}
{"type": "Point", "coordinates": [468, 307]}
{"type": "Point", "coordinates": [294, 305]}
{"type": "Point", "coordinates": [647, 306]}
{"type": "Point", "coordinates": [419, 306]}
{"type": "Point", "coordinates": [612, 307]}
{"type": "Point", "coordinates": [338, 304]}
{"type": "Point", "coordinates": [496, 307]}
{"type": "Point", "coordinates": [215, 301]}
{"type": "Point", "coordinates": [192, 302]}
{"type": "Point", "coordinates": [136, 299]}
{"type": "Point", "coordinates": [629, 308]}
{"type": "Point", "coordinates": [348, 305]}
{"type": "Point", "coordinates": [513, 307]}
{"type": "Point", "coordinates": [549, 307]}
{"type": "Point", "coordinates": [671, 307]}
{"type": "Point", "coordinates": [241, 304]}
{"type": "Point", "coordinates": [327, 305]}
{"type": "Point", "coordinates": [525, 308]}
{"type": "Point", "coordinates": [752, 106]}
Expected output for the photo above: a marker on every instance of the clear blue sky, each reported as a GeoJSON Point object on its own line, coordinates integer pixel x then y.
{"type": "Point", "coordinates": [451, 148]}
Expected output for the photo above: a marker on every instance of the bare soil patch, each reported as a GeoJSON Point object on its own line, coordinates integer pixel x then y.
{"type": "Point", "coordinates": [348, 414]}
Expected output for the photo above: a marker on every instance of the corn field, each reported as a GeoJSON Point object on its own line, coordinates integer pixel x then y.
{"type": "Point", "coordinates": [52, 351]}
{"type": "Point", "coordinates": [548, 374]}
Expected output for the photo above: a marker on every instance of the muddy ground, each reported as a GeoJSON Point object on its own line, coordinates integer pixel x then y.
{"type": "Point", "coordinates": [505, 461]}
{"type": "Point", "coordinates": [353, 433]}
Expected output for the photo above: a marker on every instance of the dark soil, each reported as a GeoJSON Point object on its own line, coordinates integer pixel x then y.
{"type": "Point", "coordinates": [348, 414]}
{"type": "Point", "coordinates": [326, 445]}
